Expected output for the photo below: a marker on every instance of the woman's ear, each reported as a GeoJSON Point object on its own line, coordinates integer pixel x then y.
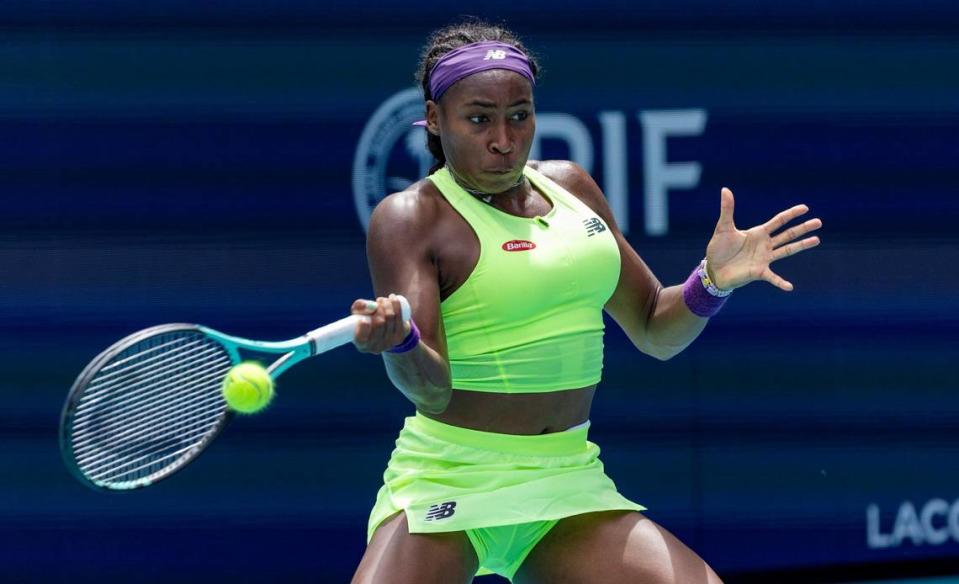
{"type": "Point", "coordinates": [432, 118]}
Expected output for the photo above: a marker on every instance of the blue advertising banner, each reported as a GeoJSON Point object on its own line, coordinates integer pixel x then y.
{"type": "Point", "coordinates": [183, 164]}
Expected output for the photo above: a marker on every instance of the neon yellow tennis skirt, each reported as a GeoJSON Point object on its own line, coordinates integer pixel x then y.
{"type": "Point", "coordinates": [504, 490]}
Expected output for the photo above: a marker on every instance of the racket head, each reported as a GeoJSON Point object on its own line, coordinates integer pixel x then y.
{"type": "Point", "coordinates": [145, 407]}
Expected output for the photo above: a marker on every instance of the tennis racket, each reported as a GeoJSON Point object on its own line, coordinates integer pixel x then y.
{"type": "Point", "coordinates": [151, 403]}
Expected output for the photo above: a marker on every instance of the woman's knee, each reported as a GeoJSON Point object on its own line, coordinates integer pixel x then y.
{"type": "Point", "coordinates": [396, 555]}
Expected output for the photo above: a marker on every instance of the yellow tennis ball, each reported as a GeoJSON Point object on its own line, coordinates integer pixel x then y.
{"type": "Point", "coordinates": [248, 388]}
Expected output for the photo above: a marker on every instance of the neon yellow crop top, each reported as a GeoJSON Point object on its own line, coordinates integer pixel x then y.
{"type": "Point", "coordinates": [529, 318]}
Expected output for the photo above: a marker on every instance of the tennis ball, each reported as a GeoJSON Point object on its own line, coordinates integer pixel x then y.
{"type": "Point", "coordinates": [248, 388]}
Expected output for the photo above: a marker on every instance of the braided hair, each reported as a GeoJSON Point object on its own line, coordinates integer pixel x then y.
{"type": "Point", "coordinates": [452, 37]}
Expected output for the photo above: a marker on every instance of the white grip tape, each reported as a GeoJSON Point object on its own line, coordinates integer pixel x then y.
{"type": "Point", "coordinates": [341, 332]}
{"type": "Point", "coordinates": [405, 309]}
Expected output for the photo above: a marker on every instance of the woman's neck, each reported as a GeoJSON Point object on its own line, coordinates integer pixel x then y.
{"type": "Point", "coordinates": [483, 195]}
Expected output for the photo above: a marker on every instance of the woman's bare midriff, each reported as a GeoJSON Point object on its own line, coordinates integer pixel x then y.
{"type": "Point", "coordinates": [517, 413]}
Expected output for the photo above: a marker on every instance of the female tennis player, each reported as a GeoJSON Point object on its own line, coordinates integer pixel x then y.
{"type": "Point", "coordinates": [508, 264]}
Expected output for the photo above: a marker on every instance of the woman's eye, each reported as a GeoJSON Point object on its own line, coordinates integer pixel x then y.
{"type": "Point", "coordinates": [483, 118]}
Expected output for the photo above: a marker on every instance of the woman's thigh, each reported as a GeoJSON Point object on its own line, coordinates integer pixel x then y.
{"type": "Point", "coordinates": [395, 555]}
{"type": "Point", "coordinates": [613, 547]}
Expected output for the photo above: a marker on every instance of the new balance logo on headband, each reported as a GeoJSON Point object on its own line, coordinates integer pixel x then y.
{"type": "Point", "coordinates": [441, 511]}
{"type": "Point", "coordinates": [593, 226]}
{"type": "Point", "coordinates": [497, 55]}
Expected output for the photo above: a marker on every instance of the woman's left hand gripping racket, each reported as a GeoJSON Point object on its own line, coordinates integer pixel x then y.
{"type": "Point", "coordinates": [148, 405]}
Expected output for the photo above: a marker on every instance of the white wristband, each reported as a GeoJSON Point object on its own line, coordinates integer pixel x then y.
{"type": "Point", "coordinates": [708, 284]}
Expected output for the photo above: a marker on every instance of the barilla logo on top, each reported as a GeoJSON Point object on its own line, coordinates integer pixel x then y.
{"type": "Point", "coordinates": [519, 245]}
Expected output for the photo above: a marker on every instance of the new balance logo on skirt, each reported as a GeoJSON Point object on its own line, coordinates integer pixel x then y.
{"type": "Point", "coordinates": [441, 511]}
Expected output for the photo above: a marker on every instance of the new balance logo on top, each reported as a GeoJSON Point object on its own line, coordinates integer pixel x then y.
{"type": "Point", "coordinates": [593, 226]}
{"type": "Point", "coordinates": [441, 511]}
{"type": "Point", "coordinates": [496, 55]}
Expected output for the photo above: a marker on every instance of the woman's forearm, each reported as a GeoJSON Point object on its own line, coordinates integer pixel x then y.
{"type": "Point", "coordinates": [671, 326]}
{"type": "Point", "coordinates": [422, 375]}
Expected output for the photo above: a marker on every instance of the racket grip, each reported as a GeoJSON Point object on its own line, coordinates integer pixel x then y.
{"type": "Point", "coordinates": [341, 332]}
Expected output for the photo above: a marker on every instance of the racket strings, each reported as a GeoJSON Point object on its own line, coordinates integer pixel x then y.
{"type": "Point", "coordinates": [119, 462]}
{"type": "Point", "coordinates": [155, 430]}
{"type": "Point", "coordinates": [145, 420]}
{"type": "Point", "coordinates": [165, 429]}
{"type": "Point", "coordinates": [114, 370]}
{"type": "Point", "coordinates": [146, 391]}
{"type": "Point", "coordinates": [149, 407]}
{"type": "Point", "coordinates": [161, 383]}
{"type": "Point", "coordinates": [108, 396]}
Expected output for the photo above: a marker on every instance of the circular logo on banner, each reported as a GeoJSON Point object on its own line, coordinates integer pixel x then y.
{"type": "Point", "coordinates": [391, 154]}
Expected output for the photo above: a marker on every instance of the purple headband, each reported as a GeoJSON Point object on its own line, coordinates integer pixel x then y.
{"type": "Point", "coordinates": [474, 58]}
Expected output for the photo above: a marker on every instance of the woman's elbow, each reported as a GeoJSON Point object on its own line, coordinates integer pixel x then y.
{"type": "Point", "coordinates": [661, 352]}
{"type": "Point", "coordinates": [662, 355]}
{"type": "Point", "coordinates": [435, 400]}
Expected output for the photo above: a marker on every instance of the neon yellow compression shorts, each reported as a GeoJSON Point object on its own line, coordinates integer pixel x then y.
{"type": "Point", "coordinates": [505, 491]}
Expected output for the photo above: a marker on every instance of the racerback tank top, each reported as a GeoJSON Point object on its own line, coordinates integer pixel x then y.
{"type": "Point", "coordinates": [530, 316]}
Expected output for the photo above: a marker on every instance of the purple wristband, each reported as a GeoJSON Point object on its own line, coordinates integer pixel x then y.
{"type": "Point", "coordinates": [699, 301]}
{"type": "Point", "coordinates": [410, 341]}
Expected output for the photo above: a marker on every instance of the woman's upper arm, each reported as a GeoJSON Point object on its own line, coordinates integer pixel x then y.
{"type": "Point", "coordinates": [637, 291]}
{"type": "Point", "coordinates": [401, 259]}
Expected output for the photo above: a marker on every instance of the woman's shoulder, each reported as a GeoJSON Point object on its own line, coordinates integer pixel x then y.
{"type": "Point", "coordinates": [417, 205]}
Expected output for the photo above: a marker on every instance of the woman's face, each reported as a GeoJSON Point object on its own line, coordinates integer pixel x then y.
{"type": "Point", "coordinates": [485, 123]}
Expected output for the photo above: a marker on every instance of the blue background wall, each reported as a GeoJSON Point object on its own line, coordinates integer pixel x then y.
{"type": "Point", "coordinates": [180, 162]}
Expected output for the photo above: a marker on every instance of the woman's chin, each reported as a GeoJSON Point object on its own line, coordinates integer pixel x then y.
{"type": "Point", "coordinates": [490, 181]}
{"type": "Point", "coordinates": [497, 182]}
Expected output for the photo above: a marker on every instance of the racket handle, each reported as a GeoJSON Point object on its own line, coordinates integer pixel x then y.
{"type": "Point", "coordinates": [341, 332]}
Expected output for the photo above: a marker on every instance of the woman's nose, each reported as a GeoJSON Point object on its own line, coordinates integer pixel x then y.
{"type": "Point", "coordinates": [502, 141]}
